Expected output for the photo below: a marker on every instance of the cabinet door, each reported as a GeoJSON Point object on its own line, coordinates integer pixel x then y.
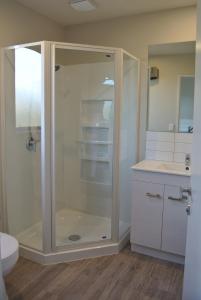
{"type": "Point", "coordinates": [147, 211]}
{"type": "Point", "coordinates": [174, 222]}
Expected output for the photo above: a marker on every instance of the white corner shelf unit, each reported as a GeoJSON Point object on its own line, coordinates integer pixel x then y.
{"type": "Point", "coordinates": [96, 135]}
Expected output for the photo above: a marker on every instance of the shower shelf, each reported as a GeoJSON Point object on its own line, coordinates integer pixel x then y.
{"type": "Point", "coordinates": [104, 160]}
{"type": "Point", "coordinates": [95, 182]}
{"type": "Point", "coordinates": [95, 126]}
{"type": "Point", "coordinates": [96, 100]}
{"type": "Point", "coordinates": [95, 142]}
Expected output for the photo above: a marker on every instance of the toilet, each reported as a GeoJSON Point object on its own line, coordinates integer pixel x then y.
{"type": "Point", "coordinates": [9, 253]}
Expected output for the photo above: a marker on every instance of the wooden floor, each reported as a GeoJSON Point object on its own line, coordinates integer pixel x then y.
{"type": "Point", "coordinates": [125, 276]}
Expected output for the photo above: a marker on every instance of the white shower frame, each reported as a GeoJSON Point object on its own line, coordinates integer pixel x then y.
{"type": "Point", "coordinates": [52, 253]}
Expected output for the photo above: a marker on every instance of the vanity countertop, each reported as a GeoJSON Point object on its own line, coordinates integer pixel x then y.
{"type": "Point", "coordinates": [162, 167]}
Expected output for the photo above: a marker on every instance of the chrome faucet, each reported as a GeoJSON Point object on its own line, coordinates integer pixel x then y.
{"type": "Point", "coordinates": [31, 141]}
{"type": "Point", "coordinates": [31, 144]}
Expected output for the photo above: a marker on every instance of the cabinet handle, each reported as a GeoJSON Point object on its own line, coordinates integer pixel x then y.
{"type": "Point", "coordinates": [183, 198]}
{"type": "Point", "coordinates": [153, 195]}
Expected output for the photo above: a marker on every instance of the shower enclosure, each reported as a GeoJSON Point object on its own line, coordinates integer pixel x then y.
{"type": "Point", "coordinates": [69, 137]}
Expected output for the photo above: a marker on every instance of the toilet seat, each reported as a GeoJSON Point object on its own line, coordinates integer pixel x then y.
{"type": "Point", "coordinates": [9, 252]}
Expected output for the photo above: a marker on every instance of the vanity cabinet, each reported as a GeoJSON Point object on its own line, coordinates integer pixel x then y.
{"type": "Point", "coordinates": [159, 219]}
{"type": "Point", "coordinates": [147, 211]}
{"type": "Point", "coordinates": [174, 222]}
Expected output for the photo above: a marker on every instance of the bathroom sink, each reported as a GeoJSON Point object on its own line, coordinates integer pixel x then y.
{"type": "Point", "coordinates": [162, 167]}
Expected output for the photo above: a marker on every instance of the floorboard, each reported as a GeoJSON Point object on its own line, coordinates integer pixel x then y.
{"type": "Point", "coordinates": [126, 276]}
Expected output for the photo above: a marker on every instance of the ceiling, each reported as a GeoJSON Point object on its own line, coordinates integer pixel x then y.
{"type": "Point", "coordinates": [172, 49]}
{"type": "Point", "coordinates": [61, 12]}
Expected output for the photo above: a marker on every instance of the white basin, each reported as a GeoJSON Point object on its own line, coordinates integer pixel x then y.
{"type": "Point", "coordinates": [162, 167]}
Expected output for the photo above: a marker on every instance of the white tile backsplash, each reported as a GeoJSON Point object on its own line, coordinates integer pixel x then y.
{"type": "Point", "coordinates": [160, 136]}
{"type": "Point", "coordinates": [179, 157]}
{"type": "Point", "coordinates": [183, 138]}
{"type": "Point", "coordinates": [183, 148]}
{"type": "Point", "coordinates": [168, 146]}
{"type": "Point", "coordinates": [160, 146]}
{"type": "Point", "coordinates": [159, 155]}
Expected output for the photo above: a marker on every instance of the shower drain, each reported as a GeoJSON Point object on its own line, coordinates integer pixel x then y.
{"type": "Point", "coordinates": [74, 237]}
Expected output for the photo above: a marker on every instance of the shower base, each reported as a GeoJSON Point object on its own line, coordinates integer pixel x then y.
{"type": "Point", "coordinates": [89, 228]}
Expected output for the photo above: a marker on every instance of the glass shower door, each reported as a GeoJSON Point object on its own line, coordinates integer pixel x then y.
{"type": "Point", "coordinates": [22, 156]}
{"type": "Point", "coordinates": [128, 139]}
{"type": "Point", "coordinates": [82, 145]}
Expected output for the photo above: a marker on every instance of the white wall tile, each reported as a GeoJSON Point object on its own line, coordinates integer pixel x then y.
{"type": "Point", "coordinates": [183, 147]}
{"type": "Point", "coordinates": [160, 146]}
{"type": "Point", "coordinates": [168, 146]}
{"type": "Point", "coordinates": [160, 136]}
{"type": "Point", "coordinates": [159, 155]}
{"type": "Point", "coordinates": [183, 138]}
{"type": "Point", "coordinates": [179, 157]}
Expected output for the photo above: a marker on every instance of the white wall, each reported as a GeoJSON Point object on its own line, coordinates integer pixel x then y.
{"type": "Point", "coordinates": [19, 24]}
{"type": "Point", "coordinates": [134, 34]}
{"type": "Point", "coordinates": [163, 92]}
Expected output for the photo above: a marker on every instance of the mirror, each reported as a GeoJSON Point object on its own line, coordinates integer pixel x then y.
{"type": "Point", "coordinates": [171, 87]}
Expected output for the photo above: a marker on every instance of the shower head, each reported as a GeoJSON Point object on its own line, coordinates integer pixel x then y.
{"type": "Point", "coordinates": [57, 67]}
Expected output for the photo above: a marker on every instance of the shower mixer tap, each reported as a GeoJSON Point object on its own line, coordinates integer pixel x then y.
{"type": "Point", "coordinates": [31, 143]}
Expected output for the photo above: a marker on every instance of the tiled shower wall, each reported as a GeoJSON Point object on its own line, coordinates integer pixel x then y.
{"type": "Point", "coordinates": [168, 146]}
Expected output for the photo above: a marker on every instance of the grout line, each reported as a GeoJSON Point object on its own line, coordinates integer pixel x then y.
{"type": "Point", "coordinates": [174, 147]}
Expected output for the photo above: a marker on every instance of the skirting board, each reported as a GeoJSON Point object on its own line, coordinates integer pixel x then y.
{"type": "Point", "coordinates": [158, 254]}
{"type": "Point", "coordinates": [68, 256]}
